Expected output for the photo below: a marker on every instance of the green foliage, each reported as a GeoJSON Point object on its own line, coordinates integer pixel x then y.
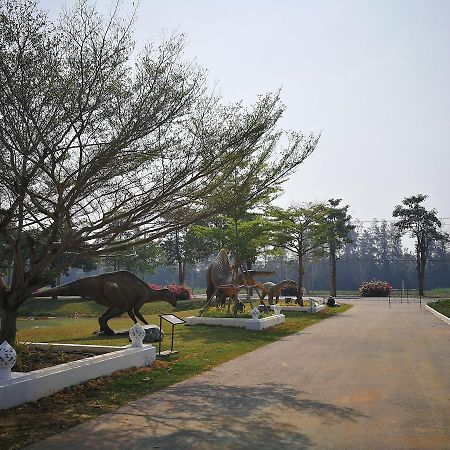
{"type": "Point", "coordinates": [298, 229]}
{"type": "Point", "coordinates": [244, 236]}
{"type": "Point", "coordinates": [337, 223]}
{"type": "Point", "coordinates": [138, 259]}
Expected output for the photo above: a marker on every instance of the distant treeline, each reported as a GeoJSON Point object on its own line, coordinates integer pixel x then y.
{"type": "Point", "coordinates": [376, 252]}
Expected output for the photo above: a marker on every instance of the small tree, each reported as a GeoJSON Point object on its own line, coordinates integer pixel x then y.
{"type": "Point", "coordinates": [338, 228]}
{"type": "Point", "coordinates": [424, 226]}
{"type": "Point", "coordinates": [300, 230]}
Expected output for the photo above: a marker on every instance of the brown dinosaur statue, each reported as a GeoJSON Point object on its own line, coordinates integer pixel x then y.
{"type": "Point", "coordinates": [219, 277]}
{"type": "Point", "coordinates": [273, 290]}
{"type": "Point", "coordinates": [121, 292]}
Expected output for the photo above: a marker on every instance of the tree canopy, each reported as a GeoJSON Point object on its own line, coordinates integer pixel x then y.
{"type": "Point", "coordinates": [424, 226]}
{"type": "Point", "coordinates": [300, 229]}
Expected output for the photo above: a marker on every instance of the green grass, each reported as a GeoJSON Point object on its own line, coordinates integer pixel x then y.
{"type": "Point", "coordinates": [200, 349]}
{"type": "Point", "coordinates": [438, 292]}
{"type": "Point", "coordinates": [67, 306]}
{"type": "Point", "coordinates": [442, 306]}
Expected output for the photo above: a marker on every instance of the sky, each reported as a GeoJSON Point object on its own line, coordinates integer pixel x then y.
{"type": "Point", "coordinates": [373, 77]}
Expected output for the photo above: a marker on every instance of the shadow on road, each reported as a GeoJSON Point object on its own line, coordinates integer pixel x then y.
{"type": "Point", "coordinates": [206, 416]}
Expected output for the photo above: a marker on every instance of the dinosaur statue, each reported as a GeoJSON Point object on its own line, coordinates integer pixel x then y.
{"type": "Point", "coordinates": [273, 290]}
{"type": "Point", "coordinates": [121, 292]}
{"type": "Point", "coordinates": [219, 277]}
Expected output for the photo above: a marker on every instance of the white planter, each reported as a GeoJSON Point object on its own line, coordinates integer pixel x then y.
{"type": "Point", "coordinates": [249, 324]}
{"type": "Point", "coordinates": [31, 386]}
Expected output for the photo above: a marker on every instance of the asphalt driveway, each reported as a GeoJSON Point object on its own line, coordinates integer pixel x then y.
{"type": "Point", "coordinates": [375, 377]}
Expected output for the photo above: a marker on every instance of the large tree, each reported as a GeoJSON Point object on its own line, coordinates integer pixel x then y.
{"type": "Point", "coordinates": [423, 226]}
{"type": "Point", "coordinates": [338, 228]}
{"type": "Point", "coordinates": [94, 144]}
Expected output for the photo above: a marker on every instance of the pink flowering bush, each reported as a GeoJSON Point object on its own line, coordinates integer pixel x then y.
{"type": "Point", "coordinates": [375, 288]}
{"type": "Point", "coordinates": [181, 291]}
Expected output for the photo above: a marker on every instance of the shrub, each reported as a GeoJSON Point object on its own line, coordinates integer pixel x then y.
{"type": "Point", "coordinates": [375, 288]}
{"type": "Point", "coordinates": [181, 291]}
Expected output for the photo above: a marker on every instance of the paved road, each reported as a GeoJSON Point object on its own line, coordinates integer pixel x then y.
{"type": "Point", "coordinates": [373, 378]}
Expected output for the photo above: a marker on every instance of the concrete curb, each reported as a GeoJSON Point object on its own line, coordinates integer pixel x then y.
{"type": "Point", "coordinates": [438, 314]}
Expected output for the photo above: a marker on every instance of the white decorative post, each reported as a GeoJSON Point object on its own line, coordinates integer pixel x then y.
{"type": "Point", "coordinates": [276, 309]}
{"type": "Point", "coordinates": [255, 313]}
{"type": "Point", "coordinates": [8, 358]}
{"type": "Point", "coordinates": [137, 335]}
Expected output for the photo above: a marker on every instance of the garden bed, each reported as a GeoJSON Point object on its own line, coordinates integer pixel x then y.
{"type": "Point", "coordinates": [236, 322]}
{"type": "Point", "coordinates": [23, 387]}
{"type": "Point", "coordinates": [298, 308]}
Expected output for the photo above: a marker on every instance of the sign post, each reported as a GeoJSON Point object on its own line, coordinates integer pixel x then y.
{"type": "Point", "coordinates": [173, 320]}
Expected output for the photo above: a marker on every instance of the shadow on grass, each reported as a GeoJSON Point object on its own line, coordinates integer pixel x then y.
{"type": "Point", "coordinates": [210, 416]}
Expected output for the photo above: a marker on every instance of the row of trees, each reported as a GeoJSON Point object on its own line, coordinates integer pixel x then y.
{"type": "Point", "coordinates": [310, 243]}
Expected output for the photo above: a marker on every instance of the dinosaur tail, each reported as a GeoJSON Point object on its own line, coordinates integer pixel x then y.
{"type": "Point", "coordinates": [66, 289]}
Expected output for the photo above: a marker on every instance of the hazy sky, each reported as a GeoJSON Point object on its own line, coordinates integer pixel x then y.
{"type": "Point", "coordinates": [372, 76]}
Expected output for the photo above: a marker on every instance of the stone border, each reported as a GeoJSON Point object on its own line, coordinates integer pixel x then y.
{"type": "Point", "coordinates": [30, 386]}
{"type": "Point", "coordinates": [249, 324]}
{"type": "Point", "coordinates": [438, 314]}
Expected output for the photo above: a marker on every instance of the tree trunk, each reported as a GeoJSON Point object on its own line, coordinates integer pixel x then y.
{"type": "Point", "coordinates": [181, 272]}
{"type": "Point", "coordinates": [421, 262]}
{"type": "Point", "coordinates": [421, 282]}
{"type": "Point", "coordinates": [300, 281]}
{"type": "Point", "coordinates": [8, 326]}
{"type": "Point", "coordinates": [332, 271]}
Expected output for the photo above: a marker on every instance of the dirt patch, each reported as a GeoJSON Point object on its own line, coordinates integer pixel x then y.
{"type": "Point", "coordinates": [29, 359]}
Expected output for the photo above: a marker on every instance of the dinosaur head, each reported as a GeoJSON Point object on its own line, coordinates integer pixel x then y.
{"type": "Point", "coordinates": [168, 296]}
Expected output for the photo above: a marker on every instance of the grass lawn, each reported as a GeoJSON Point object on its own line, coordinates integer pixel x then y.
{"type": "Point", "coordinates": [442, 306]}
{"type": "Point", "coordinates": [200, 349]}
{"type": "Point", "coordinates": [438, 292]}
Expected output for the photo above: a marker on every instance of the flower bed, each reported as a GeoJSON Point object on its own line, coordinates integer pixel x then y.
{"type": "Point", "coordinates": [375, 288]}
{"type": "Point", "coordinates": [181, 291]}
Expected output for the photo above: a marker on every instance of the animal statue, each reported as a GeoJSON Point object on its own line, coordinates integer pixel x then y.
{"type": "Point", "coordinates": [219, 277]}
{"type": "Point", "coordinates": [121, 292]}
{"type": "Point", "coordinates": [273, 290]}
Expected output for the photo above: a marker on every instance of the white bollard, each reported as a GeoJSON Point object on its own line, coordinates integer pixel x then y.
{"type": "Point", "coordinates": [255, 313]}
{"type": "Point", "coordinates": [8, 357]}
{"type": "Point", "coordinates": [137, 335]}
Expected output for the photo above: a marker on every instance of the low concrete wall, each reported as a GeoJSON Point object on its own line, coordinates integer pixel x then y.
{"type": "Point", "coordinates": [249, 324]}
{"type": "Point", "coordinates": [31, 386]}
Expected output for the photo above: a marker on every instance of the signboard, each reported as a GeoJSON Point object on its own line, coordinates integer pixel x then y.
{"type": "Point", "coordinates": [172, 318]}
